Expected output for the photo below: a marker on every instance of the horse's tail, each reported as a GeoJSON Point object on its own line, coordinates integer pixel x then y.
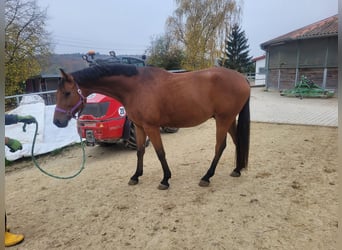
{"type": "Point", "coordinates": [242, 138]}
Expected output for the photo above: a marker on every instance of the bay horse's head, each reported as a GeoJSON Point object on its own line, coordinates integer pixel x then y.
{"type": "Point", "coordinates": [69, 100]}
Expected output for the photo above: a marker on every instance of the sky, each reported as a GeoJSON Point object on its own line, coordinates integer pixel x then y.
{"type": "Point", "coordinates": [129, 26]}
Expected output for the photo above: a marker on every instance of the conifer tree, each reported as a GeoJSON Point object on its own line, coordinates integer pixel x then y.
{"type": "Point", "coordinates": [236, 51]}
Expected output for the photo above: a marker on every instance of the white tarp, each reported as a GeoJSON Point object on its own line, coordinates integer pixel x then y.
{"type": "Point", "coordinates": [49, 136]}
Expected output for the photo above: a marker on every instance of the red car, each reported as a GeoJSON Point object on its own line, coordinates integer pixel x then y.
{"type": "Point", "coordinates": [103, 120]}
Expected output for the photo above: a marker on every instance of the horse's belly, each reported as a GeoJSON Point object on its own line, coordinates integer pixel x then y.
{"type": "Point", "coordinates": [182, 118]}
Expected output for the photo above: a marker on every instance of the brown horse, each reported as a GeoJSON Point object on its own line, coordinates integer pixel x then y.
{"type": "Point", "coordinates": [156, 98]}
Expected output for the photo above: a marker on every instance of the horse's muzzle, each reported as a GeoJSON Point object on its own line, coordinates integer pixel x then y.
{"type": "Point", "coordinates": [60, 124]}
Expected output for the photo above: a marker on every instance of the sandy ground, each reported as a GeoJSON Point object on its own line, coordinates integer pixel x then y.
{"type": "Point", "coordinates": [286, 200]}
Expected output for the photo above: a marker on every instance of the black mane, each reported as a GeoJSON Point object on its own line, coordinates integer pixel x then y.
{"type": "Point", "coordinates": [96, 72]}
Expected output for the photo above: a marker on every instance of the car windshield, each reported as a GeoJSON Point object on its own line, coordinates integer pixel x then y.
{"type": "Point", "coordinates": [134, 61]}
{"type": "Point", "coordinates": [95, 109]}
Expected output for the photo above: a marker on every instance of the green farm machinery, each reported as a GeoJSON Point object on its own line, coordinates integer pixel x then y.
{"type": "Point", "coordinates": [307, 88]}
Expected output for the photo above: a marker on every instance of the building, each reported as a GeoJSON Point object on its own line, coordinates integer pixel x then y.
{"type": "Point", "coordinates": [44, 84]}
{"type": "Point", "coordinates": [311, 51]}
{"type": "Point", "coordinates": [41, 83]}
{"type": "Point", "coordinates": [260, 71]}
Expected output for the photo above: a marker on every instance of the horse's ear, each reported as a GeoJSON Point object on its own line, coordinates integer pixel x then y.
{"type": "Point", "coordinates": [66, 76]}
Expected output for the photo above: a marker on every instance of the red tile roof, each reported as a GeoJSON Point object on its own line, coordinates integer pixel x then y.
{"type": "Point", "coordinates": [323, 28]}
{"type": "Point", "coordinates": [258, 58]}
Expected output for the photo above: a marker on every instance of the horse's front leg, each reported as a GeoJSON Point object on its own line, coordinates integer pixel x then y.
{"type": "Point", "coordinates": [154, 135]}
{"type": "Point", "coordinates": [141, 143]}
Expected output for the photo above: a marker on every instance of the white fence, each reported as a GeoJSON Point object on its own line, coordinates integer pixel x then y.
{"type": "Point", "coordinates": [48, 96]}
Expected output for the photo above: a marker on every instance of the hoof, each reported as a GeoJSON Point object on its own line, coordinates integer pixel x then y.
{"type": "Point", "coordinates": [133, 182]}
{"type": "Point", "coordinates": [235, 174]}
{"type": "Point", "coordinates": [203, 183]}
{"type": "Point", "coordinates": [163, 187]}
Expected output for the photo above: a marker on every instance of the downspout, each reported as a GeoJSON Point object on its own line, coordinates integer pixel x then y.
{"type": "Point", "coordinates": [279, 70]}
{"type": "Point", "coordinates": [279, 78]}
{"type": "Point", "coordinates": [325, 71]}
{"type": "Point", "coordinates": [297, 65]}
{"type": "Point", "coordinates": [267, 69]}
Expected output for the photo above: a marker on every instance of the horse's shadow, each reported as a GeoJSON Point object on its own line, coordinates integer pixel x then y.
{"type": "Point", "coordinates": [108, 151]}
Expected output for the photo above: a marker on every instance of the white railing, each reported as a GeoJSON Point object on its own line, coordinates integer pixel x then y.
{"type": "Point", "coordinates": [48, 96]}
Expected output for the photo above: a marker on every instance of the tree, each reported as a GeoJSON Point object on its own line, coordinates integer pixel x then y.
{"type": "Point", "coordinates": [200, 27]}
{"type": "Point", "coordinates": [164, 53]}
{"type": "Point", "coordinates": [26, 42]}
{"type": "Point", "coordinates": [236, 51]}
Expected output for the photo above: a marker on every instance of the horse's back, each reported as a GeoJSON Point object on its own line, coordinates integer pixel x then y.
{"type": "Point", "coordinates": [214, 77]}
{"type": "Point", "coordinates": [216, 83]}
{"type": "Point", "coordinates": [190, 98]}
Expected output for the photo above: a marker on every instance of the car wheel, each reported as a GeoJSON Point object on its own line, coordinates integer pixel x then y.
{"type": "Point", "coordinates": [169, 130]}
{"type": "Point", "coordinates": [131, 141]}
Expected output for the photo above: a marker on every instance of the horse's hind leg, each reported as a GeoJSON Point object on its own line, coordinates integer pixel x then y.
{"type": "Point", "coordinates": [233, 133]}
{"type": "Point", "coordinates": [141, 143]}
{"type": "Point", "coordinates": [221, 143]}
{"type": "Point", "coordinates": [154, 135]}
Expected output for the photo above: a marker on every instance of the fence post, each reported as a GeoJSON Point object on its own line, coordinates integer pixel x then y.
{"type": "Point", "coordinates": [2, 124]}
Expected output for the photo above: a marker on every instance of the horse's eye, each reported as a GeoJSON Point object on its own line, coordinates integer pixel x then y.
{"type": "Point", "coordinates": [66, 94]}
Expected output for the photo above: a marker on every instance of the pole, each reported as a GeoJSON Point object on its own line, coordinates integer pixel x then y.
{"type": "Point", "coordinates": [2, 124]}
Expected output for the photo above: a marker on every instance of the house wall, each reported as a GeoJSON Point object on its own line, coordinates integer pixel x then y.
{"type": "Point", "coordinates": [332, 79]}
{"type": "Point", "coordinates": [281, 78]}
{"type": "Point", "coordinates": [313, 58]}
{"type": "Point", "coordinates": [41, 84]}
{"type": "Point", "coordinates": [51, 83]}
{"type": "Point", "coordinates": [260, 72]}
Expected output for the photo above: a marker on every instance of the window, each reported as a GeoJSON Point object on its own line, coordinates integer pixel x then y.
{"type": "Point", "coordinates": [125, 60]}
{"type": "Point", "coordinates": [95, 109]}
{"type": "Point", "coordinates": [137, 62]}
{"type": "Point", "coordinates": [262, 70]}
{"type": "Point", "coordinates": [332, 52]}
{"type": "Point", "coordinates": [312, 53]}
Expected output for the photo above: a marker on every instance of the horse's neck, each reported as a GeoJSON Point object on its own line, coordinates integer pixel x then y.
{"type": "Point", "coordinates": [117, 88]}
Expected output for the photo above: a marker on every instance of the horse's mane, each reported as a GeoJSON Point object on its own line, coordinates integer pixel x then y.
{"type": "Point", "coordinates": [96, 72]}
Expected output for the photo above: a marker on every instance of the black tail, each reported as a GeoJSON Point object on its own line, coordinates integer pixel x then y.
{"type": "Point", "coordinates": [242, 138]}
